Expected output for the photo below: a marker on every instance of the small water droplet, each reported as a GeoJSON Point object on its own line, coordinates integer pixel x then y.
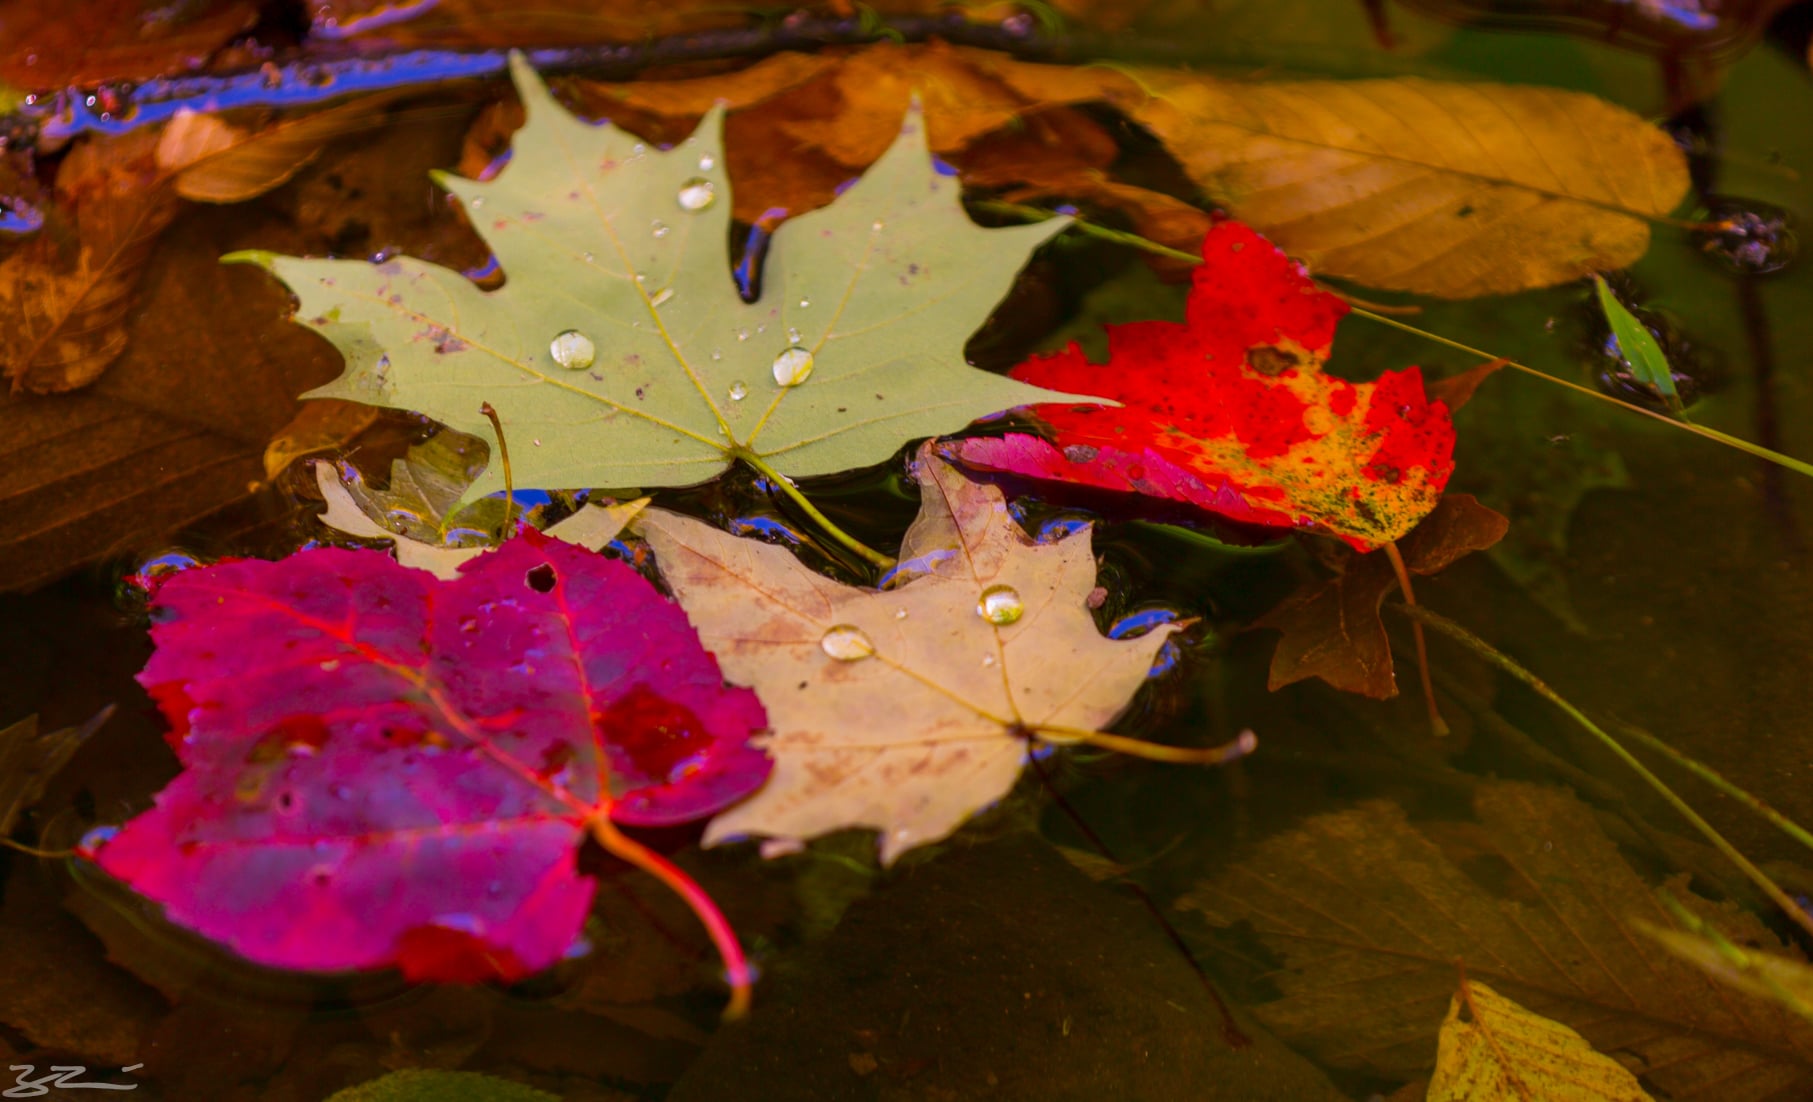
{"type": "Point", "coordinates": [900, 614]}
{"type": "Point", "coordinates": [641, 277]}
{"type": "Point", "coordinates": [875, 226]}
{"type": "Point", "coordinates": [988, 660]}
{"type": "Point", "coordinates": [792, 334]}
{"type": "Point", "coordinates": [573, 350]}
{"type": "Point", "coordinates": [707, 162]}
{"type": "Point", "coordinates": [739, 390]}
{"type": "Point", "coordinates": [792, 366]}
{"type": "Point", "coordinates": [1000, 605]}
{"type": "Point", "coordinates": [846, 643]}
{"type": "Point", "coordinates": [742, 334]}
{"type": "Point", "coordinates": [589, 257]}
{"type": "Point", "coordinates": [805, 303]}
{"type": "Point", "coordinates": [638, 149]}
{"type": "Point", "coordinates": [661, 296]}
{"type": "Point", "coordinates": [717, 353]}
{"type": "Point", "coordinates": [476, 202]}
{"type": "Point", "coordinates": [658, 228]}
{"type": "Point", "coordinates": [696, 194]}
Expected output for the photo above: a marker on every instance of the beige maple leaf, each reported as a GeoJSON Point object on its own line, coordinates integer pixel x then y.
{"type": "Point", "coordinates": [905, 709]}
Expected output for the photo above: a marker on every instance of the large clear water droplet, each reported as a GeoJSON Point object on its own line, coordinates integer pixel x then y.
{"type": "Point", "coordinates": [697, 194]}
{"type": "Point", "coordinates": [573, 350]}
{"type": "Point", "coordinates": [1000, 605]}
{"type": "Point", "coordinates": [846, 643]}
{"type": "Point", "coordinates": [739, 390]}
{"type": "Point", "coordinates": [792, 366]}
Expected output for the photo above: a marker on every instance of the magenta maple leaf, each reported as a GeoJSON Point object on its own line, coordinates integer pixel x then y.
{"type": "Point", "coordinates": [382, 768]}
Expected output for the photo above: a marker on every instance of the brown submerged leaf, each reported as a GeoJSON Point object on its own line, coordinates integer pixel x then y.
{"type": "Point", "coordinates": [49, 45]}
{"type": "Point", "coordinates": [65, 292]}
{"type": "Point", "coordinates": [1370, 913]}
{"type": "Point", "coordinates": [902, 710]}
{"type": "Point", "coordinates": [1332, 629]}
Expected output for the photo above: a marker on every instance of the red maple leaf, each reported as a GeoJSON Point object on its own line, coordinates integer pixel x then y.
{"type": "Point", "coordinates": [382, 768]}
{"type": "Point", "coordinates": [1231, 412]}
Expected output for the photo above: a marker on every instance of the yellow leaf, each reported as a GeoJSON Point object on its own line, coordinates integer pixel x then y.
{"type": "Point", "coordinates": [1493, 1050]}
{"type": "Point", "coordinates": [903, 710]}
{"type": "Point", "coordinates": [1442, 188]}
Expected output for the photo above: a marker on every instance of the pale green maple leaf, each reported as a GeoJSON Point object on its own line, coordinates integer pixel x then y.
{"type": "Point", "coordinates": [626, 249]}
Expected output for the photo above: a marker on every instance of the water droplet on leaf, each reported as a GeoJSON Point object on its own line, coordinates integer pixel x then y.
{"type": "Point", "coordinates": [792, 366]}
{"type": "Point", "coordinates": [1000, 605]}
{"type": "Point", "coordinates": [573, 350]}
{"type": "Point", "coordinates": [707, 162]}
{"type": "Point", "coordinates": [739, 390]}
{"type": "Point", "coordinates": [659, 228]}
{"type": "Point", "coordinates": [696, 194]}
{"type": "Point", "coordinates": [846, 643]}
{"type": "Point", "coordinates": [661, 296]}
{"type": "Point", "coordinates": [793, 334]}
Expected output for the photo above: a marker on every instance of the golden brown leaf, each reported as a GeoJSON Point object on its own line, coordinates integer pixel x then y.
{"type": "Point", "coordinates": [1332, 629]}
{"type": "Point", "coordinates": [1447, 189]}
{"type": "Point", "coordinates": [928, 714]}
{"type": "Point", "coordinates": [1368, 915]}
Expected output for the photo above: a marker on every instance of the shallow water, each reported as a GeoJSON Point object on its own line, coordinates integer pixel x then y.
{"type": "Point", "coordinates": [1653, 578]}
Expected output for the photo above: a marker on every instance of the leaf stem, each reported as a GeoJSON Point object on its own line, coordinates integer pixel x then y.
{"type": "Point", "coordinates": [736, 966]}
{"type": "Point", "coordinates": [1509, 665]}
{"type": "Point", "coordinates": [785, 485]}
{"type": "Point", "coordinates": [1243, 744]}
{"type": "Point", "coordinates": [503, 451]}
{"type": "Point", "coordinates": [1039, 214]}
{"type": "Point", "coordinates": [1437, 725]}
{"type": "Point", "coordinates": [1727, 439]}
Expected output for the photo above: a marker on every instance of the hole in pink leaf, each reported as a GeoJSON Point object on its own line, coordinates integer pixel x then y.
{"type": "Point", "coordinates": [540, 578]}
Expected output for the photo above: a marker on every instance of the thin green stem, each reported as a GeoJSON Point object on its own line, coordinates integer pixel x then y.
{"type": "Point", "coordinates": [1727, 439]}
{"type": "Point", "coordinates": [1504, 662]}
{"type": "Point", "coordinates": [785, 485]}
{"type": "Point", "coordinates": [1133, 240]}
{"type": "Point", "coordinates": [1706, 773]}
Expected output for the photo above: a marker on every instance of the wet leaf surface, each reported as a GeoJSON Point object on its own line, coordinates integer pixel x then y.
{"type": "Point", "coordinates": [386, 769]}
{"type": "Point", "coordinates": [618, 349]}
{"type": "Point", "coordinates": [903, 710]}
{"type": "Point", "coordinates": [1230, 411]}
